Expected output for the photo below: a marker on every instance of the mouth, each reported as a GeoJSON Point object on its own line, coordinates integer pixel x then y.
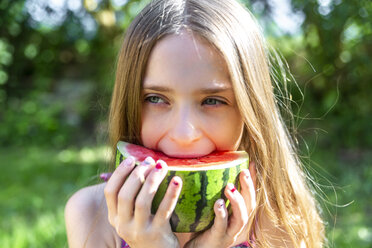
{"type": "Point", "coordinates": [189, 156]}
{"type": "Point", "coordinates": [184, 155]}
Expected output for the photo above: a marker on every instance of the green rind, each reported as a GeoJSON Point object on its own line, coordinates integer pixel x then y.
{"type": "Point", "coordinates": [118, 158]}
{"type": "Point", "coordinates": [186, 208]}
{"type": "Point", "coordinates": [161, 191]}
{"type": "Point", "coordinates": [195, 213]}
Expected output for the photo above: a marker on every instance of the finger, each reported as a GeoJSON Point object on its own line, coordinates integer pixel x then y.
{"type": "Point", "coordinates": [248, 190]}
{"type": "Point", "coordinates": [148, 191]}
{"type": "Point", "coordinates": [114, 185]}
{"type": "Point", "coordinates": [167, 205]}
{"type": "Point", "coordinates": [220, 221]}
{"type": "Point", "coordinates": [131, 187]}
{"type": "Point", "coordinates": [239, 216]}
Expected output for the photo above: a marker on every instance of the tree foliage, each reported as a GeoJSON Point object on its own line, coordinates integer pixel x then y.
{"type": "Point", "coordinates": [50, 54]}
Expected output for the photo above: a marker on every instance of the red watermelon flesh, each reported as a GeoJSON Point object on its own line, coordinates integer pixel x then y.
{"type": "Point", "coordinates": [216, 158]}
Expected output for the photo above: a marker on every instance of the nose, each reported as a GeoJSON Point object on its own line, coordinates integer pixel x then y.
{"type": "Point", "coordinates": [185, 130]}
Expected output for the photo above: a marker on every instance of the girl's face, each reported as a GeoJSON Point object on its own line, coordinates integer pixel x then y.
{"type": "Point", "coordinates": [189, 107]}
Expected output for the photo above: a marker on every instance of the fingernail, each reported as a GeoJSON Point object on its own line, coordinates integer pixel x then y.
{"type": "Point", "coordinates": [158, 166]}
{"type": "Point", "coordinates": [231, 187]}
{"type": "Point", "coordinates": [221, 203]}
{"type": "Point", "coordinates": [129, 161]}
{"type": "Point", "coordinates": [148, 161]}
{"type": "Point", "coordinates": [247, 174]}
{"type": "Point", "coordinates": [176, 181]}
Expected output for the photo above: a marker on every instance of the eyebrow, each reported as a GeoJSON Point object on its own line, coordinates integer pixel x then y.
{"type": "Point", "coordinates": [208, 90]}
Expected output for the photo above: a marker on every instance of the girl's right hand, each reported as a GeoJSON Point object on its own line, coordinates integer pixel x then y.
{"type": "Point", "coordinates": [129, 194]}
{"type": "Point", "coordinates": [228, 231]}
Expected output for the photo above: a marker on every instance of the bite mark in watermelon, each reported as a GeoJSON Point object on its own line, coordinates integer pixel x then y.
{"type": "Point", "coordinates": [204, 180]}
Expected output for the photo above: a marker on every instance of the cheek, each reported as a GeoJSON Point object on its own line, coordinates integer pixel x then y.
{"type": "Point", "coordinates": [231, 135]}
{"type": "Point", "coordinates": [236, 127]}
{"type": "Point", "coordinates": [237, 133]}
{"type": "Point", "coordinates": [145, 128]}
{"type": "Point", "coordinates": [225, 131]}
{"type": "Point", "coordinates": [151, 129]}
{"type": "Point", "coordinates": [145, 134]}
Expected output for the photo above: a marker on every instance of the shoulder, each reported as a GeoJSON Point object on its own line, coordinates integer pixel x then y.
{"type": "Point", "coordinates": [86, 219]}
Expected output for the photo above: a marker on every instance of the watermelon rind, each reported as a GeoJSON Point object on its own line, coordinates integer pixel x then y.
{"type": "Point", "coordinates": [202, 187]}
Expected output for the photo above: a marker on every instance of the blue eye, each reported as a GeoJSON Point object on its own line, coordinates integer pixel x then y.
{"type": "Point", "coordinates": [213, 101]}
{"type": "Point", "coordinates": [154, 99]}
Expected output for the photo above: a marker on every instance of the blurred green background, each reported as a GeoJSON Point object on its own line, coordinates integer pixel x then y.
{"type": "Point", "coordinates": [57, 65]}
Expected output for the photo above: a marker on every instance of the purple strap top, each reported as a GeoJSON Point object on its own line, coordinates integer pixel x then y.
{"type": "Point", "coordinates": [242, 245]}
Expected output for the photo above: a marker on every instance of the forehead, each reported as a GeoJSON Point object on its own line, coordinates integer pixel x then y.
{"type": "Point", "coordinates": [185, 60]}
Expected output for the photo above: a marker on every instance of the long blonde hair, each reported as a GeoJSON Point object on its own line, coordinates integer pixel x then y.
{"type": "Point", "coordinates": [283, 195]}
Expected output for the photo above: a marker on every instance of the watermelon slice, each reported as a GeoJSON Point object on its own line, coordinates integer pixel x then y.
{"type": "Point", "coordinates": [204, 180]}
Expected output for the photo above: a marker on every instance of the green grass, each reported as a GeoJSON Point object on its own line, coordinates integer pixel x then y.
{"type": "Point", "coordinates": [36, 183]}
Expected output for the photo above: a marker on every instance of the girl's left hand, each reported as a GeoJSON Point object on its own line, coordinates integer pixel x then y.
{"type": "Point", "coordinates": [230, 231]}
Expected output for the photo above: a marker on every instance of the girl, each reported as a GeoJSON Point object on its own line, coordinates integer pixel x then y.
{"type": "Point", "coordinates": [193, 77]}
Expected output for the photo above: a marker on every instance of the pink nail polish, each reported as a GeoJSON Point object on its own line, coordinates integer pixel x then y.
{"type": "Point", "coordinates": [158, 166]}
{"type": "Point", "coordinates": [231, 187]}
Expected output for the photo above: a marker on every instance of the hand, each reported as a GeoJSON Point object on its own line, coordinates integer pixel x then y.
{"type": "Point", "coordinates": [230, 231]}
{"type": "Point", "coordinates": [129, 194]}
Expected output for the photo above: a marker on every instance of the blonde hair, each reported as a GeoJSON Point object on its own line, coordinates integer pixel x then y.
{"type": "Point", "coordinates": [282, 192]}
